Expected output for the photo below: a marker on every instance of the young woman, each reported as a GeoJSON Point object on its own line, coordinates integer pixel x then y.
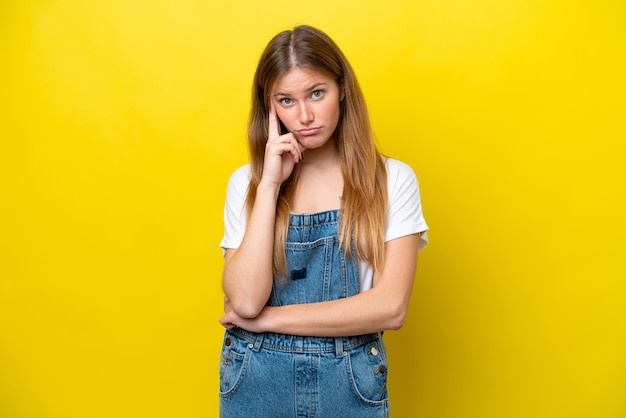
{"type": "Point", "coordinates": [321, 242]}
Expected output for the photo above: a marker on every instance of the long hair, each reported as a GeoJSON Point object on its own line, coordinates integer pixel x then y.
{"type": "Point", "coordinates": [363, 212]}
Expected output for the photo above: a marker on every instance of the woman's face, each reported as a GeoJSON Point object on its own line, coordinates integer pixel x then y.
{"type": "Point", "coordinates": [307, 102]}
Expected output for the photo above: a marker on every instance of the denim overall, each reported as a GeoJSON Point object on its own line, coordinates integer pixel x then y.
{"type": "Point", "coordinates": [272, 375]}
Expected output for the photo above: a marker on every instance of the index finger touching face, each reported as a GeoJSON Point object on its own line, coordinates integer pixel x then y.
{"type": "Point", "coordinates": [273, 130]}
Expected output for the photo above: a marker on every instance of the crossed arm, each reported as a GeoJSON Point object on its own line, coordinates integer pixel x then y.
{"type": "Point", "coordinates": [382, 307]}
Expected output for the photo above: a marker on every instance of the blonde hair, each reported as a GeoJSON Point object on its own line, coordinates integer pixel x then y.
{"type": "Point", "coordinates": [363, 212]}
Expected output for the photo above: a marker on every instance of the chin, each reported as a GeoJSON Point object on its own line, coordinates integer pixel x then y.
{"type": "Point", "coordinates": [313, 142]}
{"type": "Point", "coordinates": [312, 145]}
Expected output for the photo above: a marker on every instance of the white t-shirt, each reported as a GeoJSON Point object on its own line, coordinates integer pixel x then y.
{"type": "Point", "coordinates": [404, 216]}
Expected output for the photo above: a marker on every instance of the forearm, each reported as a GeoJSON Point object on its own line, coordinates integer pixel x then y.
{"type": "Point", "coordinates": [380, 308]}
{"type": "Point", "coordinates": [367, 312]}
{"type": "Point", "coordinates": [248, 271]}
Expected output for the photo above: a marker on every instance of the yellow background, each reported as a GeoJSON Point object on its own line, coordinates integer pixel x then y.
{"type": "Point", "coordinates": [120, 122]}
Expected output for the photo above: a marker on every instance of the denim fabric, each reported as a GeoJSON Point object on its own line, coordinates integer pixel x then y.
{"type": "Point", "coordinates": [274, 375]}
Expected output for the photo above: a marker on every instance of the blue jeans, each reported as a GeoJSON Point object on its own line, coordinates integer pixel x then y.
{"type": "Point", "coordinates": [271, 375]}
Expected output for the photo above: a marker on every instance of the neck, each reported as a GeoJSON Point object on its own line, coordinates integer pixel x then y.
{"type": "Point", "coordinates": [320, 158]}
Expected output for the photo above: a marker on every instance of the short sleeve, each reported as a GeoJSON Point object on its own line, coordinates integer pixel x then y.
{"type": "Point", "coordinates": [405, 215]}
{"type": "Point", "coordinates": [234, 208]}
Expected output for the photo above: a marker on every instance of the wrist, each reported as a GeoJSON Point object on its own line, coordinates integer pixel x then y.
{"type": "Point", "coordinates": [267, 187]}
{"type": "Point", "coordinates": [266, 319]}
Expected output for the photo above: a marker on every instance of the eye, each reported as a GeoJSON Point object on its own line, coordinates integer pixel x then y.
{"type": "Point", "coordinates": [285, 101]}
{"type": "Point", "coordinates": [317, 94]}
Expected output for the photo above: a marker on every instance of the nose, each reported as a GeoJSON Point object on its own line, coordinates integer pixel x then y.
{"type": "Point", "coordinates": [305, 115]}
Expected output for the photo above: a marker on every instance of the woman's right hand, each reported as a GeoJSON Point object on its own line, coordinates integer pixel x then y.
{"type": "Point", "coordinates": [282, 152]}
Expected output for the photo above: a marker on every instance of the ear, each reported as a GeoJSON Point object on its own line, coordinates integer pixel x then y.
{"type": "Point", "coordinates": [342, 91]}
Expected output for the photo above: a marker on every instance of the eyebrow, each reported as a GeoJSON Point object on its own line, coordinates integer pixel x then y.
{"type": "Point", "coordinates": [314, 87]}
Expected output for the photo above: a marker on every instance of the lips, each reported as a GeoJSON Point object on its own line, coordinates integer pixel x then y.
{"type": "Point", "coordinates": [309, 131]}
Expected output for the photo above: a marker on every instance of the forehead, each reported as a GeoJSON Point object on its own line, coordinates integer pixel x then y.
{"type": "Point", "coordinates": [299, 79]}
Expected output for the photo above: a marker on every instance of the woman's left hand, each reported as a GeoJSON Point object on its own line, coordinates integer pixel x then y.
{"type": "Point", "coordinates": [231, 319]}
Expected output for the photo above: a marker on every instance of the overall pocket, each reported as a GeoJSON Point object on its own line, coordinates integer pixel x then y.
{"type": "Point", "coordinates": [367, 371]}
{"type": "Point", "coordinates": [234, 361]}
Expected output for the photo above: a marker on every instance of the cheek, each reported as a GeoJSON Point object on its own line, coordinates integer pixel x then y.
{"type": "Point", "coordinates": [284, 117]}
{"type": "Point", "coordinates": [281, 114]}
{"type": "Point", "coordinates": [334, 113]}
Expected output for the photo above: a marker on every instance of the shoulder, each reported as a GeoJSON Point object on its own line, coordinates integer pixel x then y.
{"type": "Point", "coordinates": [240, 178]}
{"type": "Point", "coordinates": [398, 168]}
{"type": "Point", "coordinates": [241, 174]}
{"type": "Point", "coordinates": [238, 186]}
{"type": "Point", "coordinates": [399, 173]}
